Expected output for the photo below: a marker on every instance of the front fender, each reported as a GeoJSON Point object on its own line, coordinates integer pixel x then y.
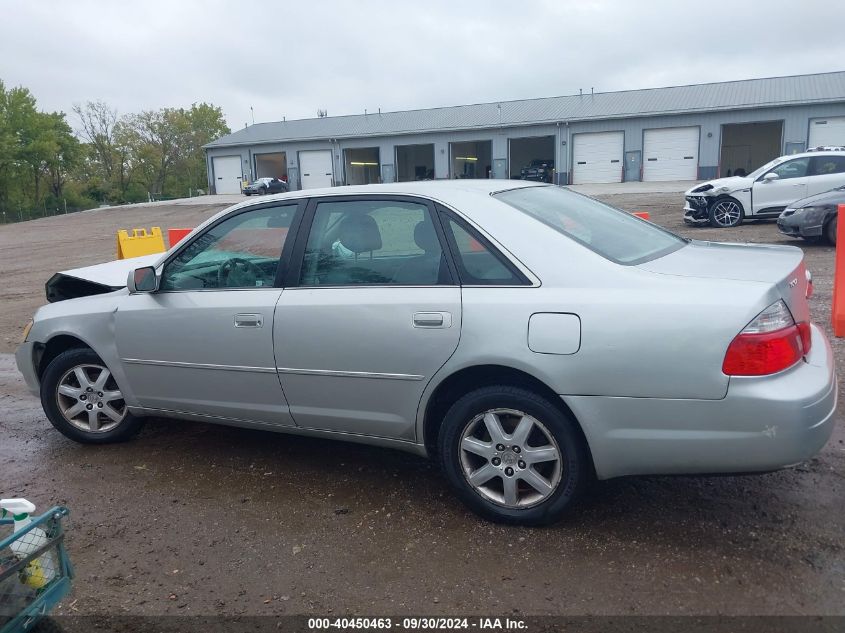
{"type": "Point", "coordinates": [90, 320]}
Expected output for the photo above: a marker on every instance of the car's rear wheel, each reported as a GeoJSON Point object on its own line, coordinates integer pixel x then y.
{"type": "Point", "coordinates": [830, 230]}
{"type": "Point", "coordinates": [82, 400]}
{"type": "Point", "coordinates": [512, 456]}
{"type": "Point", "coordinates": [726, 213]}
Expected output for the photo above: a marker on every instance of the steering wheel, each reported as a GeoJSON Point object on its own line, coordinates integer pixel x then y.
{"type": "Point", "coordinates": [236, 265]}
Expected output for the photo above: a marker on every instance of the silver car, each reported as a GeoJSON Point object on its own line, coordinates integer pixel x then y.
{"type": "Point", "coordinates": [529, 337]}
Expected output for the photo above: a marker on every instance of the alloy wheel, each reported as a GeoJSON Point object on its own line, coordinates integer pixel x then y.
{"type": "Point", "coordinates": [726, 213]}
{"type": "Point", "coordinates": [510, 458]}
{"type": "Point", "coordinates": [90, 400]}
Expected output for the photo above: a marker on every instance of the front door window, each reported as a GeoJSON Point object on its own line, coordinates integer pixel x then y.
{"type": "Point", "coordinates": [243, 251]}
{"type": "Point", "coordinates": [791, 169]}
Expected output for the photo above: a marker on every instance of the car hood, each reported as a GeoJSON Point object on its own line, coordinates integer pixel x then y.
{"type": "Point", "coordinates": [740, 262]}
{"type": "Point", "coordinates": [97, 279]}
{"type": "Point", "coordinates": [720, 186]}
{"type": "Point", "coordinates": [837, 196]}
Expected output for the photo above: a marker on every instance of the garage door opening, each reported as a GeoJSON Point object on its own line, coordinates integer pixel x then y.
{"type": "Point", "coordinates": [272, 165]}
{"type": "Point", "coordinates": [532, 158]}
{"type": "Point", "coordinates": [362, 165]}
{"type": "Point", "coordinates": [597, 157]}
{"type": "Point", "coordinates": [747, 146]}
{"type": "Point", "coordinates": [473, 159]}
{"type": "Point", "coordinates": [414, 162]}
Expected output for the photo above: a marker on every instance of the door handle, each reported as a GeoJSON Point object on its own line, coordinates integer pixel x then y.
{"type": "Point", "coordinates": [432, 319]}
{"type": "Point", "coordinates": [249, 320]}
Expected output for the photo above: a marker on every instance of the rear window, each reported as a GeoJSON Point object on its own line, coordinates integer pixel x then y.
{"type": "Point", "coordinates": [610, 232]}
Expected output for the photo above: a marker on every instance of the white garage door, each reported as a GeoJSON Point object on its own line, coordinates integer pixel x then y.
{"type": "Point", "coordinates": [315, 166]}
{"type": "Point", "coordinates": [227, 174]}
{"type": "Point", "coordinates": [827, 132]}
{"type": "Point", "coordinates": [670, 154]}
{"type": "Point", "coordinates": [597, 157]}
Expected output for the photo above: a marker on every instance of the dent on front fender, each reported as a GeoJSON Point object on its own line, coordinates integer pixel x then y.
{"type": "Point", "coordinates": [92, 320]}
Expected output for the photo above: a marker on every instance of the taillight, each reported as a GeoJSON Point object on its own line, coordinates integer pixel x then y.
{"type": "Point", "coordinates": [769, 344]}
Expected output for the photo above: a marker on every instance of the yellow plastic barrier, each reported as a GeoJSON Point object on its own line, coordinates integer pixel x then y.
{"type": "Point", "coordinates": [139, 243]}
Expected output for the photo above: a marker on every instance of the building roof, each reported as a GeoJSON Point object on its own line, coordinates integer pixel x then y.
{"type": "Point", "coordinates": [728, 95]}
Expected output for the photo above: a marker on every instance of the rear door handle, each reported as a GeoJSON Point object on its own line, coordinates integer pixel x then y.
{"type": "Point", "coordinates": [249, 320]}
{"type": "Point", "coordinates": [432, 319]}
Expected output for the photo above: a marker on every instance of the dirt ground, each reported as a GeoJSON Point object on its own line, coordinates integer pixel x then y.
{"type": "Point", "coordinates": [203, 519]}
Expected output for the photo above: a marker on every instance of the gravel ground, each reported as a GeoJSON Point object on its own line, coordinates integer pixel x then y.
{"type": "Point", "coordinates": [201, 519]}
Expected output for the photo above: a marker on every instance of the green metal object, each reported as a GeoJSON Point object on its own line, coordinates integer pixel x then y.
{"type": "Point", "coordinates": [24, 598]}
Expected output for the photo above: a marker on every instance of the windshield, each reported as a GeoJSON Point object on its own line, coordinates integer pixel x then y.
{"type": "Point", "coordinates": [610, 232]}
{"type": "Point", "coordinates": [765, 168]}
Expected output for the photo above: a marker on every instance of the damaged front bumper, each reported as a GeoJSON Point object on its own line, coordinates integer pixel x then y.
{"type": "Point", "coordinates": [806, 225]}
{"type": "Point", "coordinates": [697, 210]}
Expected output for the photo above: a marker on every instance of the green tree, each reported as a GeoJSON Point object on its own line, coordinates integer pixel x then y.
{"type": "Point", "coordinates": [108, 150]}
{"type": "Point", "coordinates": [206, 123]}
{"type": "Point", "coordinates": [110, 158]}
{"type": "Point", "coordinates": [37, 150]}
{"type": "Point", "coordinates": [167, 146]}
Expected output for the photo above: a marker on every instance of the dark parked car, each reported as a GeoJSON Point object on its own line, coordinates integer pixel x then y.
{"type": "Point", "coordinates": [266, 185]}
{"type": "Point", "coordinates": [813, 218]}
{"type": "Point", "coordinates": [538, 170]}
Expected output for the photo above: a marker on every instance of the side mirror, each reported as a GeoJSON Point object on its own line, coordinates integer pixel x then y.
{"type": "Point", "coordinates": [142, 280]}
{"type": "Point", "coordinates": [770, 177]}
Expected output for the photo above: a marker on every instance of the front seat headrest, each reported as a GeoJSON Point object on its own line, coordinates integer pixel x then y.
{"type": "Point", "coordinates": [426, 237]}
{"type": "Point", "coordinates": [359, 233]}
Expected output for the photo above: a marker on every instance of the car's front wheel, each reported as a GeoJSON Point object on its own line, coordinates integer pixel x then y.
{"type": "Point", "coordinates": [82, 400]}
{"type": "Point", "coordinates": [726, 213]}
{"type": "Point", "coordinates": [512, 456]}
{"type": "Point", "coordinates": [830, 230]}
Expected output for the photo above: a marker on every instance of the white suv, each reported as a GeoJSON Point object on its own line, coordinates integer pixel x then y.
{"type": "Point", "coordinates": [767, 191]}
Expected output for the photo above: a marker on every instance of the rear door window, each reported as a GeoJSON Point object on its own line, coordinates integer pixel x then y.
{"type": "Point", "coordinates": [827, 165]}
{"type": "Point", "coordinates": [373, 242]}
{"type": "Point", "coordinates": [478, 263]}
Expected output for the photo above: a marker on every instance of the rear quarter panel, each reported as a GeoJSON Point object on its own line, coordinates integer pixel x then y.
{"type": "Point", "coordinates": [645, 336]}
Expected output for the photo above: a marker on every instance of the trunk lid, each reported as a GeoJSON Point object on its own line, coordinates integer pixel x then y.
{"type": "Point", "coordinates": [779, 266]}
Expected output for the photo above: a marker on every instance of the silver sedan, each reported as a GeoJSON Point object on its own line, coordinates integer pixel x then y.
{"type": "Point", "coordinates": [529, 337]}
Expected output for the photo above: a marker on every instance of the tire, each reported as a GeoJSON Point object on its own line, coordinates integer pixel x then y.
{"type": "Point", "coordinates": [726, 213]}
{"type": "Point", "coordinates": [507, 496]}
{"type": "Point", "coordinates": [830, 230]}
{"type": "Point", "coordinates": [72, 411]}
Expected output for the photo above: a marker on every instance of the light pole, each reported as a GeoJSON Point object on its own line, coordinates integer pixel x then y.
{"type": "Point", "coordinates": [252, 112]}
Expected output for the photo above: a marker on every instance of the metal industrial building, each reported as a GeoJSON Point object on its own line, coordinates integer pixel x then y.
{"type": "Point", "coordinates": [678, 133]}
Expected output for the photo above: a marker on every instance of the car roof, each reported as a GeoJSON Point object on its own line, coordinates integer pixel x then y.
{"type": "Point", "coordinates": [442, 190]}
{"type": "Point", "coordinates": [816, 152]}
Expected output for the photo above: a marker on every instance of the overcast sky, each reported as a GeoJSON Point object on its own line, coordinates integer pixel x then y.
{"type": "Point", "coordinates": [287, 59]}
